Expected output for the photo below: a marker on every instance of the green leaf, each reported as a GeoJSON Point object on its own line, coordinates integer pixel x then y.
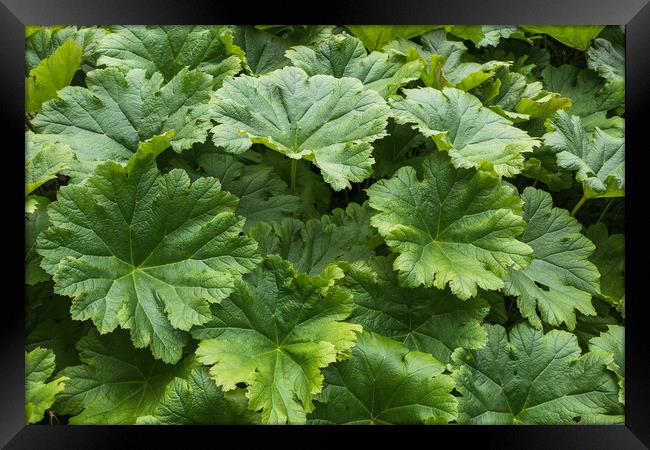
{"type": "Point", "coordinates": [447, 62]}
{"type": "Point", "coordinates": [514, 97]}
{"type": "Point", "coordinates": [108, 119]}
{"type": "Point", "coordinates": [196, 400]}
{"type": "Point", "coordinates": [39, 393]}
{"type": "Point", "coordinates": [44, 41]}
{"type": "Point", "coordinates": [456, 226]}
{"type": "Point", "coordinates": [385, 383]}
{"type": "Point", "coordinates": [423, 319]}
{"type": "Point", "coordinates": [473, 135]}
{"type": "Point", "coordinates": [311, 246]}
{"type": "Point", "coordinates": [560, 280]}
{"type": "Point", "coordinates": [609, 258]}
{"type": "Point", "coordinates": [535, 378]}
{"type": "Point", "coordinates": [400, 147]}
{"type": "Point", "coordinates": [590, 97]}
{"type": "Point", "coordinates": [613, 343]}
{"type": "Point", "coordinates": [483, 35]}
{"type": "Point", "coordinates": [115, 384]}
{"type": "Point", "coordinates": [608, 59]}
{"type": "Point", "coordinates": [599, 160]}
{"type": "Point", "coordinates": [575, 36]}
{"type": "Point", "coordinates": [170, 48]}
{"type": "Point", "coordinates": [329, 121]}
{"type": "Point", "coordinates": [536, 168]}
{"type": "Point", "coordinates": [263, 196]}
{"type": "Point", "coordinates": [52, 73]}
{"type": "Point", "coordinates": [342, 55]}
{"type": "Point", "coordinates": [310, 187]}
{"type": "Point", "coordinates": [375, 37]}
{"type": "Point", "coordinates": [275, 333]}
{"type": "Point", "coordinates": [265, 52]}
{"type": "Point", "coordinates": [44, 160]}
{"type": "Point", "coordinates": [48, 324]}
{"type": "Point", "coordinates": [36, 220]}
{"type": "Point", "coordinates": [145, 251]}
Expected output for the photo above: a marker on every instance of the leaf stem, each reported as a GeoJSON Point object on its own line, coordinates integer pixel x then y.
{"type": "Point", "coordinates": [578, 205]}
{"type": "Point", "coordinates": [294, 170]}
{"type": "Point", "coordinates": [602, 214]}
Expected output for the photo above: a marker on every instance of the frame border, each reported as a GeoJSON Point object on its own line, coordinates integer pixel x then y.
{"type": "Point", "coordinates": [634, 14]}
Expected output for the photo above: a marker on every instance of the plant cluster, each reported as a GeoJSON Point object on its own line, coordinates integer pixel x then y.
{"type": "Point", "coordinates": [324, 224]}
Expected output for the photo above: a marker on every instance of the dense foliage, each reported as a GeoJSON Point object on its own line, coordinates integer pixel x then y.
{"type": "Point", "coordinates": [325, 224]}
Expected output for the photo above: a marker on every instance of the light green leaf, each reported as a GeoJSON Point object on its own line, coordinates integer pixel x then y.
{"type": "Point", "coordinates": [612, 342]}
{"type": "Point", "coordinates": [599, 160]}
{"type": "Point", "coordinates": [52, 73]}
{"type": "Point", "coordinates": [108, 119]}
{"type": "Point", "coordinates": [575, 36]}
{"type": "Point", "coordinates": [311, 246]}
{"type": "Point", "coordinates": [39, 393]}
{"type": "Point", "coordinates": [608, 59]}
{"type": "Point", "coordinates": [44, 41]}
{"type": "Point", "coordinates": [385, 383]}
{"type": "Point", "coordinates": [560, 280]}
{"type": "Point", "coordinates": [275, 333]}
{"type": "Point", "coordinates": [263, 196]}
{"type": "Point", "coordinates": [609, 258]}
{"type": "Point", "coordinates": [447, 62]}
{"type": "Point", "coordinates": [170, 48]}
{"type": "Point", "coordinates": [44, 160]}
{"type": "Point", "coordinates": [115, 384]}
{"type": "Point", "coordinates": [535, 378]}
{"type": "Point", "coordinates": [456, 226]}
{"type": "Point", "coordinates": [329, 121]}
{"type": "Point", "coordinates": [423, 319]}
{"type": "Point", "coordinates": [473, 135]}
{"type": "Point", "coordinates": [342, 55]}
{"type": "Point", "coordinates": [590, 97]}
{"type": "Point", "coordinates": [375, 37]}
{"type": "Point", "coordinates": [196, 400]}
{"type": "Point", "coordinates": [145, 251]}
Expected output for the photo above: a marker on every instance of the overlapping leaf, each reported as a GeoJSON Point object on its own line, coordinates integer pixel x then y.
{"type": "Point", "coordinates": [612, 342]}
{"type": "Point", "coordinates": [533, 378]}
{"type": "Point", "coordinates": [329, 121]}
{"type": "Point", "coordinates": [560, 280]}
{"type": "Point", "coordinates": [447, 62]}
{"type": "Point", "coordinates": [52, 73]}
{"type": "Point", "coordinates": [609, 258]}
{"type": "Point", "coordinates": [263, 196]}
{"type": "Point", "coordinates": [342, 55]}
{"type": "Point", "coordinates": [346, 235]}
{"type": "Point", "coordinates": [145, 251]}
{"type": "Point", "coordinates": [39, 392]}
{"type": "Point", "coordinates": [196, 400]}
{"type": "Point", "coordinates": [167, 49]}
{"type": "Point", "coordinates": [424, 319]}
{"type": "Point", "coordinates": [455, 226]}
{"type": "Point", "coordinates": [473, 135]}
{"type": "Point", "coordinates": [599, 161]}
{"type": "Point", "coordinates": [275, 333]}
{"type": "Point", "coordinates": [385, 383]}
{"type": "Point", "coordinates": [115, 384]}
{"type": "Point", "coordinates": [116, 111]}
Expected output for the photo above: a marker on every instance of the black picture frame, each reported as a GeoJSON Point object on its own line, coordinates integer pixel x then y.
{"type": "Point", "coordinates": [634, 14]}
